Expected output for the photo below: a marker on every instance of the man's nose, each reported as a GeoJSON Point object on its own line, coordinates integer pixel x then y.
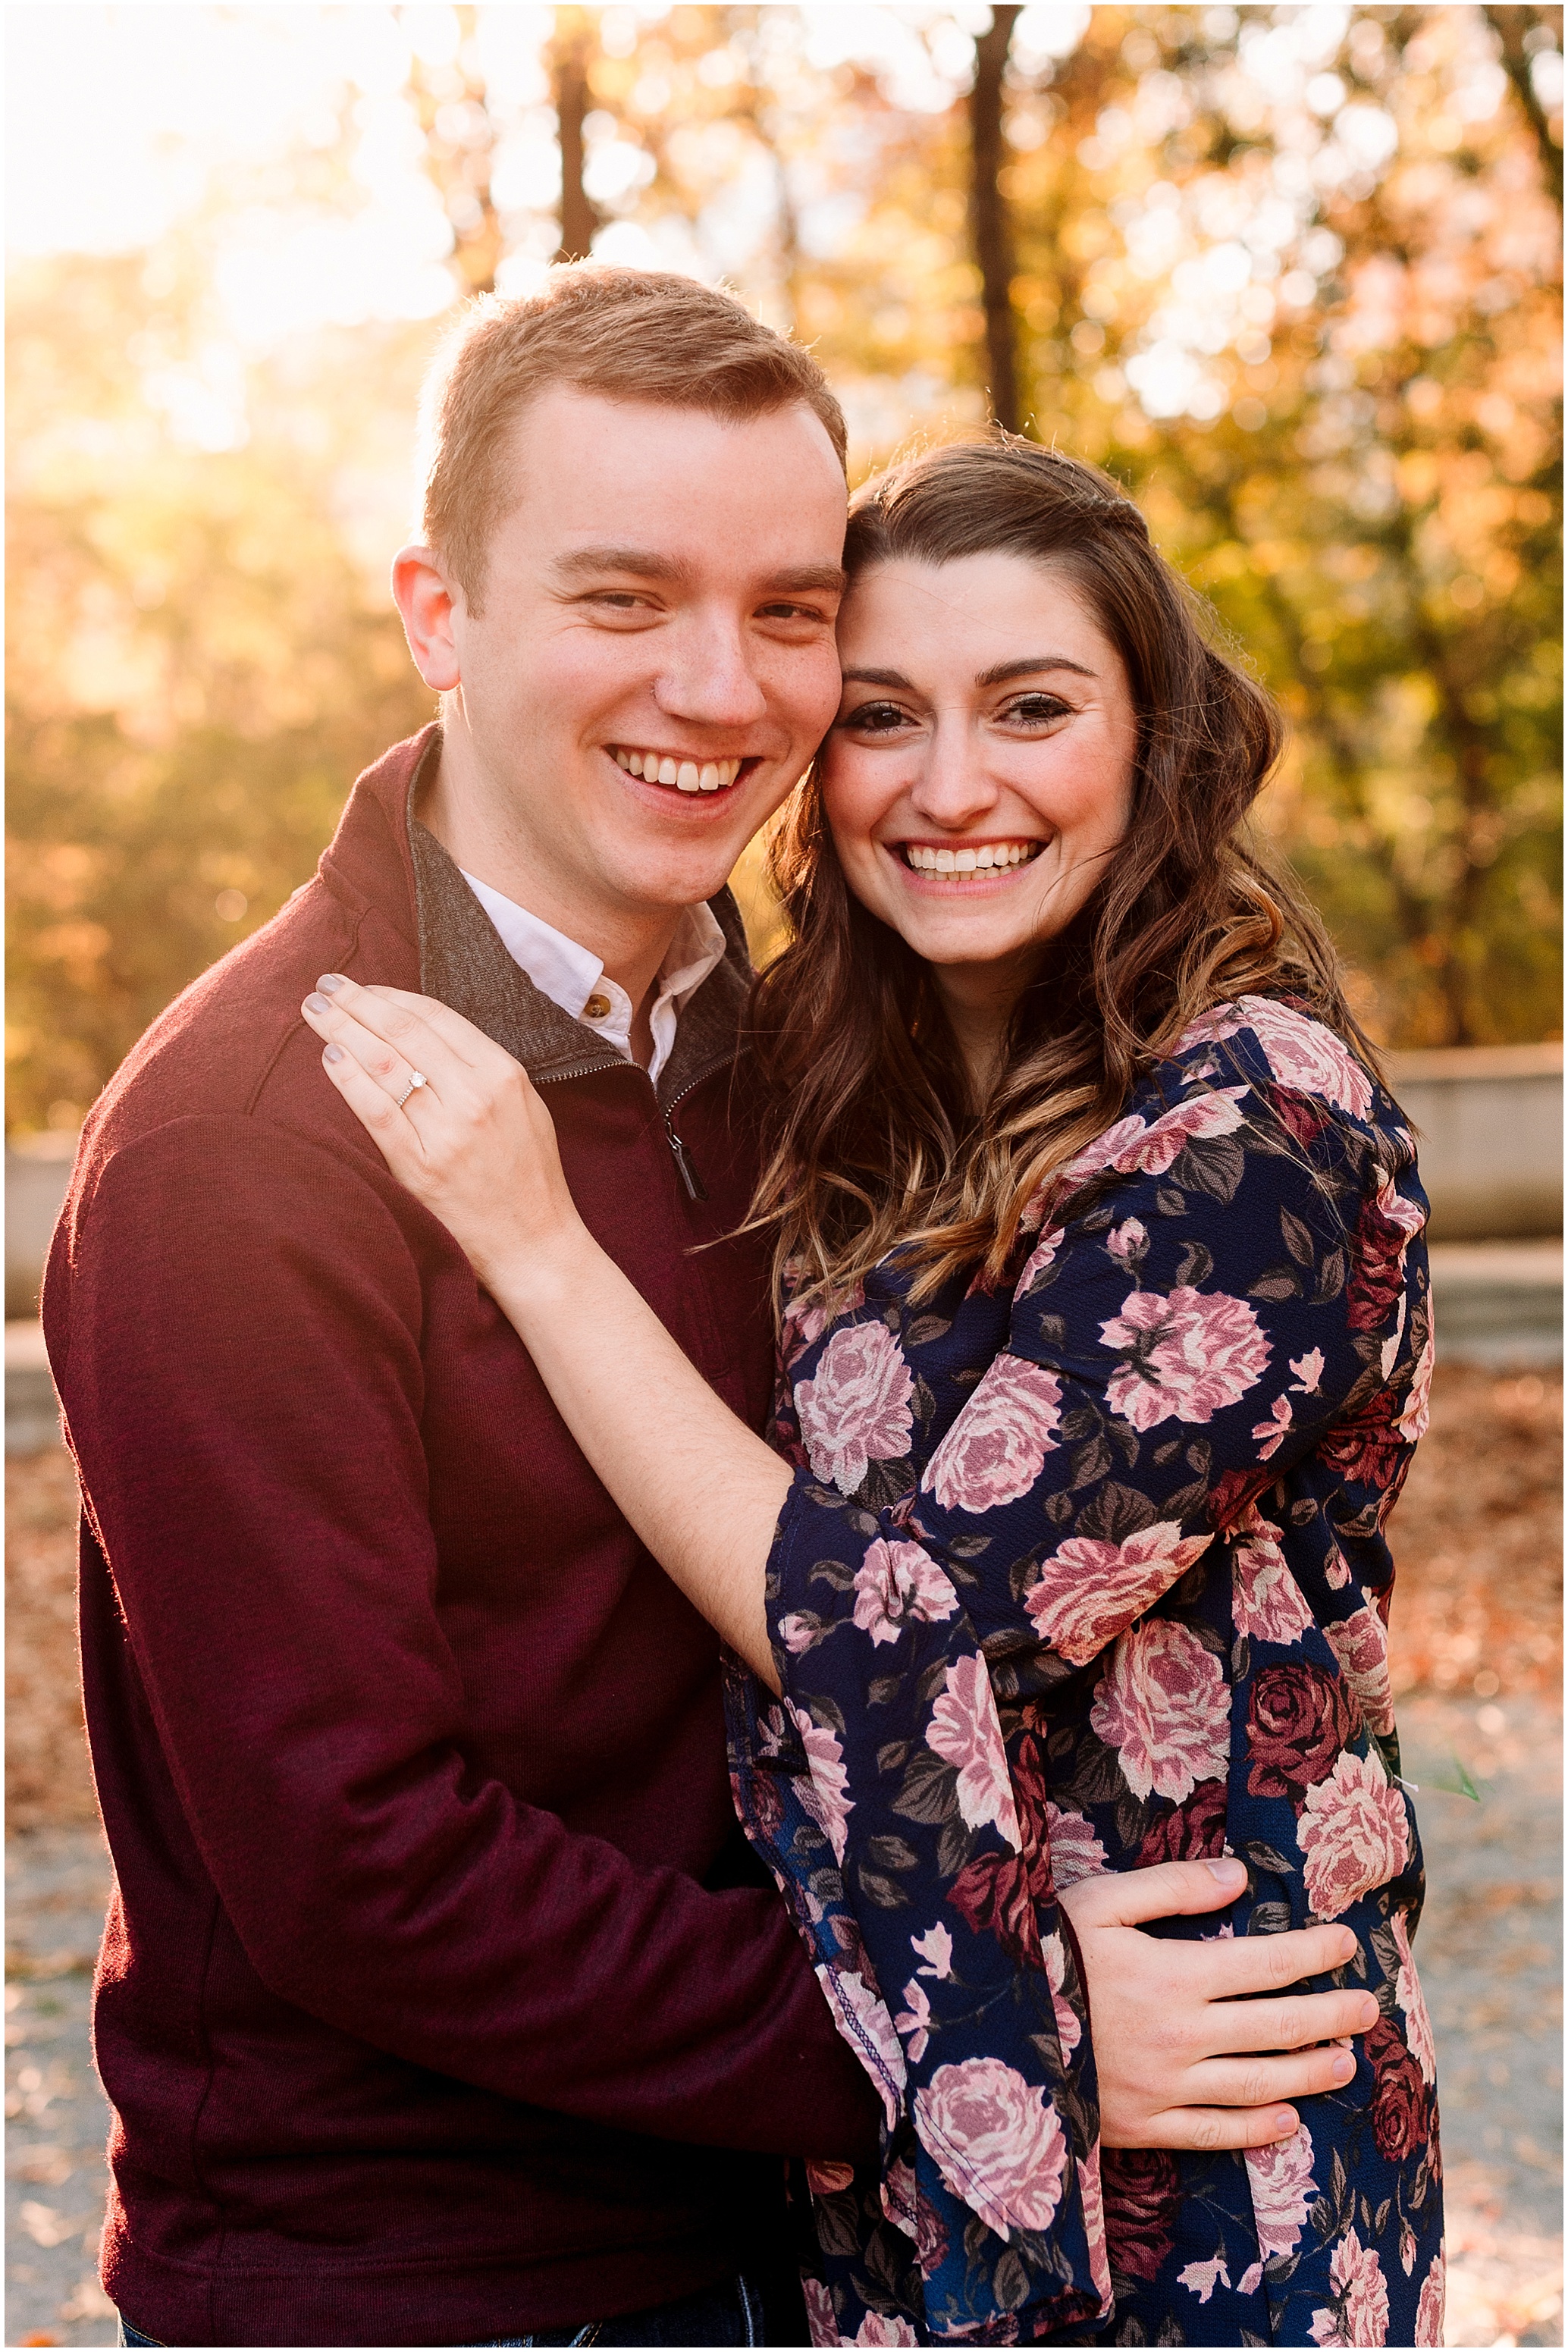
{"type": "Point", "coordinates": [711, 679]}
{"type": "Point", "coordinates": [953, 789]}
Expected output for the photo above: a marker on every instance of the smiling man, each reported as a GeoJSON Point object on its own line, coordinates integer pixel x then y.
{"type": "Point", "coordinates": [440, 2000]}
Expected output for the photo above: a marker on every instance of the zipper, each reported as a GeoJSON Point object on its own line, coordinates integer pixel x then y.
{"type": "Point", "coordinates": [696, 1190]}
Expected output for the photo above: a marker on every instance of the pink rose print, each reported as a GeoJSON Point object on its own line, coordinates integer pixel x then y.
{"type": "Point", "coordinates": [1273, 1432]}
{"type": "Point", "coordinates": [1134, 1147]}
{"type": "Point", "coordinates": [878, 2327]}
{"type": "Point", "coordinates": [895, 1582]}
{"type": "Point", "coordinates": [1091, 2197]}
{"type": "Point", "coordinates": [1267, 1602]}
{"type": "Point", "coordinates": [994, 1449]}
{"type": "Point", "coordinates": [901, 2197]}
{"type": "Point", "coordinates": [820, 2315]}
{"type": "Point", "coordinates": [1202, 2278]}
{"type": "Point", "coordinates": [861, 2016]}
{"type": "Point", "coordinates": [1128, 1242]}
{"type": "Point", "coordinates": [1360, 1645]}
{"type": "Point", "coordinates": [1089, 1589]}
{"type": "Point", "coordinates": [1308, 1372]}
{"type": "Point", "coordinates": [1413, 2001]}
{"type": "Point", "coordinates": [965, 1730]}
{"type": "Point", "coordinates": [1043, 1254]}
{"type": "Point", "coordinates": [1076, 1852]}
{"type": "Point", "coordinates": [1191, 1354]}
{"type": "Point", "coordinates": [1355, 1833]}
{"type": "Point", "coordinates": [1429, 2307]}
{"type": "Point", "coordinates": [996, 2142]}
{"type": "Point", "coordinates": [1165, 1705]}
{"type": "Point", "coordinates": [913, 2021]}
{"type": "Point", "coordinates": [1359, 2312]}
{"type": "Point", "coordinates": [856, 1410]}
{"type": "Point", "coordinates": [1283, 2191]}
{"type": "Point", "coordinates": [935, 1948]}
{"type": "Point", "coordinates": [804, 1326]}
{"type": "Point", "coordinates": [1417, 1409]}
{"type": "Point", "coordinates": [825, 1795]}
{"type": "Point", "coordinates": [1069, 2031]}
{"type": "Point", "coordinates": [1299, 1051]}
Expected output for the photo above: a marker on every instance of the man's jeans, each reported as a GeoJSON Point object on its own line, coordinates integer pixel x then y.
{"type": "Point", "coordinates": [730, 2313]}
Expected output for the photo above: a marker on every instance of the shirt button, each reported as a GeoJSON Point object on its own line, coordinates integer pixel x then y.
{"type": "Point", "coordinates": [597, 1007]}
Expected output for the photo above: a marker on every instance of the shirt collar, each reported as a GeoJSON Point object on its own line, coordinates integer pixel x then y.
{"type": "Point", "coordinates": [572, 977]}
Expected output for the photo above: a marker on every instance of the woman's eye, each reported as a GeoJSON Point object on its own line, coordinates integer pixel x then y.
{"type": "Point", "coordinates": [874, 719]}
{"type": "Point", "coordinates": [1037, 710]}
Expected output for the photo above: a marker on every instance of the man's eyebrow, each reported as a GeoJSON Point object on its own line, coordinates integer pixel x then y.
{"type": "Point", "coordinates": [1030, 665]}
{"type": "Point", "coordinates": [646, 563]}
{"type": "Point", "coordinates": [805, 577]}
{"type": "Point", "coordinates": [641, 563]}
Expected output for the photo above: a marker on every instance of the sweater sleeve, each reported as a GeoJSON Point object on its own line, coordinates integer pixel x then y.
{"type": "Point", "coordinates": [236, 1342]}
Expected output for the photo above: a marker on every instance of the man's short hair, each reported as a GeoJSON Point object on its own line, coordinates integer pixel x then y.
{"type": "Point", "coordinates": [627, 334]}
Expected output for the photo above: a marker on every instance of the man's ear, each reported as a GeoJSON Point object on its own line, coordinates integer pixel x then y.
{"type": "Point", "coordinates": [429, 603]}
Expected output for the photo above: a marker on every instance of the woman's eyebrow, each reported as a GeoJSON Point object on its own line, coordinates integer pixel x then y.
{"type": "Point", "coordinates": [1029, 666]}
{"type": "Point", "coordinates": [893, 678]}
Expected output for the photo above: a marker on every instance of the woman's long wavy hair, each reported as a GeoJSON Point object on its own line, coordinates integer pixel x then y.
{"type": "Point", "coordinates": [872, 1140]}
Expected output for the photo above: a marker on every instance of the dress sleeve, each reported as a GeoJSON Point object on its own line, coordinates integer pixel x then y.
{"type": "Point", "coordinates": [1225, 1289]}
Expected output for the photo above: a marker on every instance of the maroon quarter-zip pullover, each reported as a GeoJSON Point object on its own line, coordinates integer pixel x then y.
{"type": "Point", "coordinates": [420, 2022]}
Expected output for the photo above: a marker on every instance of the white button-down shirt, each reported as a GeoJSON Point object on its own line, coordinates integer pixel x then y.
{"type": "Point", "coordinates": [574, 979]}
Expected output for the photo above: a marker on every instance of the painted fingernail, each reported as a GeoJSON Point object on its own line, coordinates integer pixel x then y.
{"type": "Point", "coordinates": [1342, 2068]}
{"type": "Point", "coordinates": [330, 982]}
{"type": "Point", "coordinates": [334, 1054]}
{"type": "Point", "coordinates": [314, 1003]}
{"type": "Point", "coordinates": [1229, 1871]}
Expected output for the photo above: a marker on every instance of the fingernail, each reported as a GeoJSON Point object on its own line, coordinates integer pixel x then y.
{"type": "Point", "coordinates": [1343, 2067]}
{"type": "Point", "coordinates": [334, 1054]}
{"type": "Point", "coordinates": [330, 982]}
{"type": "Point", "coordinates": [314, 1003]}
{"type": "Point", "coordinates": [1286, 2122]}
{"type": "Point", "coordinates": [1369, 2013]}
{"type": "Point", "coordinates": [1230, 1873]}
{"type": "Point", "coordinates": [1347, 1944]}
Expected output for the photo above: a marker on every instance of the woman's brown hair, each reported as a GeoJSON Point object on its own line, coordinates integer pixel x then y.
{"type": "Point", "coordinates": [873, 1141]}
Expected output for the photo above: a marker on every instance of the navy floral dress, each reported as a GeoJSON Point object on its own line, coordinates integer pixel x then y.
{"type": "Point", "coordinates": [1080, 1574]}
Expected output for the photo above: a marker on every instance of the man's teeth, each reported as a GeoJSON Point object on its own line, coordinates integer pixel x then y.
{"type": "Point", "coordinates": [984, 859]}
{"type": "Point", "coordinates": [686, 775]}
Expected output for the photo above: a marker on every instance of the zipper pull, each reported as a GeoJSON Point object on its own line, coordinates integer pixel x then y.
{"type": "Point", "coordinates": [695, 1188]}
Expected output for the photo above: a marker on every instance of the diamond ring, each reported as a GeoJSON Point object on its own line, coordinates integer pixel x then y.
{"type": "Point", "coordinates": [416, 1078]}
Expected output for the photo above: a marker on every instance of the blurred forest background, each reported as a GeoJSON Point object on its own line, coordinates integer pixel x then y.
{"type": "Point", "coordinates": [1293, 273]}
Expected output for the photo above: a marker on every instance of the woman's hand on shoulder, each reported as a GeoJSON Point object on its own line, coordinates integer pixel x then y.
{"type": "Point", "coordinates": [1198, 2046]}
{"type": "Point", "coordinates": [457, 1120]}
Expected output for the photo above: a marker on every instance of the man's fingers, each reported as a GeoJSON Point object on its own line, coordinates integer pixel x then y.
{"type": "Point", "coordinates": [1168, 1891]}
{"type": "Point", "coordinates": [1243, 2082]}
{"type": "Point", "coordinates": [1239, 2025]}
{"type": "Point", "coordinates": [1268, 1963]}
{"type": "Point", "coordinates": [1210, 2128]}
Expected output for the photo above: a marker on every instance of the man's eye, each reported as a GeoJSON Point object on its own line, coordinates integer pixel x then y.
{"type": "Point", "coordinates": [1037, 710]}
{"type": "Point", "coordinates": [790, 613]}
{"type": "Point", "coordinates": [874, 719]}
{"type": "Point", "coordinates": [619, 600]}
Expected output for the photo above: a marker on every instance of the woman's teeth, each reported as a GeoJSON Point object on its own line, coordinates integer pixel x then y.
{"type": "Point", "coordinates": [686, 775]}
{"type": "Point", "coordinates": [986, 858]}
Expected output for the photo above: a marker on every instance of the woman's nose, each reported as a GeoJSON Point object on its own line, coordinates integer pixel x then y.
{"type": "Point", "coordinates": [953, 788]}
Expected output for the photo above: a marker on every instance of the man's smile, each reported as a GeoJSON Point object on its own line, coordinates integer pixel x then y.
{"type": "Point", "coordinates": [684, 771]}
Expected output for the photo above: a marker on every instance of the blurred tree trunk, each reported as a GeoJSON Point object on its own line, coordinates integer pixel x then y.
{"type": "Point", "coordinates": [1512, 25]}
{"type": "Point", "coordinates": [574, 98]}
{"type": "Point", "coordinates": [990, 229]}
{"type": "Point", "coordinates": [460, 165]}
